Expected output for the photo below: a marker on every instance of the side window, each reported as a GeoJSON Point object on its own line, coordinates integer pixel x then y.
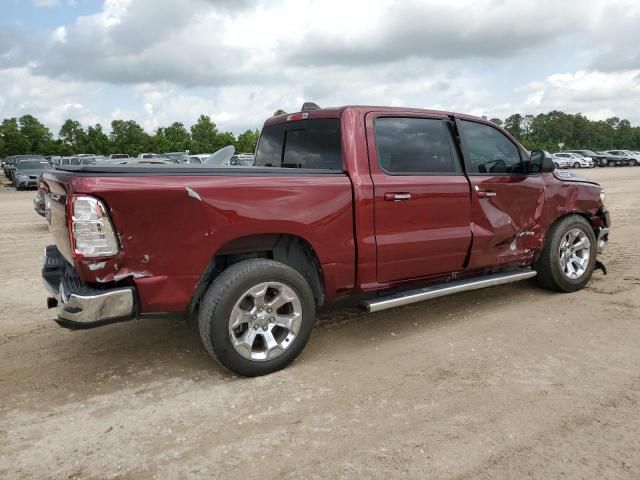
{"type": "Point", "coordinates": [489, 150]}
{"type": "Point", "coordinates": [413, 145]}
{"type": "Point", "coordinates": [317, 146]}
{"type": "Point", "coordinates": [301, 144]}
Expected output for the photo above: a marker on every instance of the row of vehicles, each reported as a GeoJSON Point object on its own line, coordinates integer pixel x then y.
{"type": "Point", "coordinates": [591, 159]}
{"type": "Point", "coordinates": [24, 170]}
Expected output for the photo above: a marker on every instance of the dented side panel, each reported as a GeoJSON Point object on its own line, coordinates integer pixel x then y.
{"type": "Point", "coordinates": [507, 226]}
{"type": "Point", "coordinates": [170, 227]}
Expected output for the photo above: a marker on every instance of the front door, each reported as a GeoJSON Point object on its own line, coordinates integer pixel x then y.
{"type": "Point", "coordinates": [506, 203]}
{"type": "Point", "coordinates": [422, 197]}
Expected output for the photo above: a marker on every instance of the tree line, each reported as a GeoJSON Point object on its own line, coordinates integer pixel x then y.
{"type": "Point", "coordinates": [28, 135]}
{"type": "Point", "coordinates": [545, 131]}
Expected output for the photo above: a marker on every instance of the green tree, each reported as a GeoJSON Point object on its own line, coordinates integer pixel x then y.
{"type": "Point", "coordinates": [513, 124]}
{"type": "Point", "coordinates": [174, 138]}
{"type": "Point", "coordinates": [38, 136]}
{"type": "Point", "coordinates": [14, 142]}
{"type": "Point", "coordinates": [203, 135]}
{"type": "Point", "coordinates": [247, 141]}
{"type": "Point", "coordinates": [279, 112]}
{"type": "Point", "coordinates": [127, 136]}
{"type": "Point", "coordinates": [73, 136]}
{"type": "Point", "coordinates": [497, 121]}
{"type": "Point", "coordinates": [97, 140]}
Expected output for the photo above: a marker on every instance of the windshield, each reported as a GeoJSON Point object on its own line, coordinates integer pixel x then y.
{"type": "Point", "coordinates": [33, 165]}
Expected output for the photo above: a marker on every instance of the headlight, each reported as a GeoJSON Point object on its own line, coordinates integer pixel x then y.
{"type": "Point", "coordinates": [23, 177]}
{"type": "Point", "coordinates": [603, 196]}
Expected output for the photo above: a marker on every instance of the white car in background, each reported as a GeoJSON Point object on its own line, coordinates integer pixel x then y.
{"type": "Point", "coordinates": [569, 160]}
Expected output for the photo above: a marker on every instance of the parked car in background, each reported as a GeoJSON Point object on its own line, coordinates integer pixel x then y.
{"type": "Point", "coordinates": [374, 202]}
{"type": "Point", "coordinates": [202, 156]}
{"type": "Point", "coordinates": [242, 160]}
{"type": "Point", "coordinates": [114, 156]}
{"type": "Point", "coordinates": [12, 161]}
{"type": "Point", "coordinates": [28, 171]}
{"type": "Point", "coordinates": [148, 155]}
{"type": "Point", "coordinates": [561, 160]}
{"type": "Point", "coordinates": [622, 157]}
{"type": "Point", "coordinates": [598, 160]}
{"type": "Point", "coordinates": [574, 160]}
{"type": "Point", "coordinates": [175, 157]}
{"type": "Point", "coordinates": [19, 160]}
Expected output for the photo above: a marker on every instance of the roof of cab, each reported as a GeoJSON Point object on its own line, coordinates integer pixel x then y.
{"type": "Point", "coordinates": [336, 112]}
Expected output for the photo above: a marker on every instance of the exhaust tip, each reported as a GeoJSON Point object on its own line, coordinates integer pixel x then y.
{"type": "Point", "coordinates": [52, 302]}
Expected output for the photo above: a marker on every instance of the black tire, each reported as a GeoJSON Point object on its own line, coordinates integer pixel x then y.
{"type": "Point", "coordinates": [633, 163]}
{"type": "Point", "coordinates": [576, 165]}
{"type": "Point", "coordinates": [556, 165]}
{"type": "Point", "coordinates": [550, 275]}
{"type": "Point", "coordinates": [220, 299]}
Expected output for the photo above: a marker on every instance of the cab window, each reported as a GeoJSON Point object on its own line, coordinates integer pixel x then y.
{"type": "Point", "coordinates": [489, 151]}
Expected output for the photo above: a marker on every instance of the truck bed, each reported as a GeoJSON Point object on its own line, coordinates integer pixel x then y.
{"type": "Point", "coordinates": [172, 220]}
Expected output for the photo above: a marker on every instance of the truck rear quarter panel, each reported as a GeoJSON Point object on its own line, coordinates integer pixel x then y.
{"type": "Point", "coordinates": [170, 227]}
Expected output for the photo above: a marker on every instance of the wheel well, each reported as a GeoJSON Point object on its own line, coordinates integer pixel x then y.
{"type": "Point", "coordinates": [588, 217]}
{"type": "Point", "coordinates": [291, 250]}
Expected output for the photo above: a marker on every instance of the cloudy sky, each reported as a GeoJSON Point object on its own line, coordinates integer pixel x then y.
{"type": "Point", "coordinates": [158, 61]}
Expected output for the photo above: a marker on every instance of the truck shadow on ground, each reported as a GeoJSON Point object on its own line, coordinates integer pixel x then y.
{"type": "Point", "coordinates": [170, 348]}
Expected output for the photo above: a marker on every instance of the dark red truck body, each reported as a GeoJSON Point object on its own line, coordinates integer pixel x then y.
{"type": "Point", "coordinates": [368, 230]}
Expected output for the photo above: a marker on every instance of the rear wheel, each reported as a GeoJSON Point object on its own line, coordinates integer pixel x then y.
{"type": "Point", "coordinates": [257, 316]}
{"type": "Point", "coordinates": [568, 257]}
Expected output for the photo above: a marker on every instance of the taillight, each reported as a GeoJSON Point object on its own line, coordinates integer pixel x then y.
{"type": "Point", "coordinates": [90, 228]}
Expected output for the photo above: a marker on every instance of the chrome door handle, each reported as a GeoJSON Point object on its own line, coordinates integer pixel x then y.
{"type": "Point", "coordinates": [485, 193]}
{"type": "Point", "coordinates": [396, 196]}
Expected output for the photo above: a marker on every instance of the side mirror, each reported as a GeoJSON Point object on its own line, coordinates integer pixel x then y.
{"type": "Point", "coordinates": [540, 162]}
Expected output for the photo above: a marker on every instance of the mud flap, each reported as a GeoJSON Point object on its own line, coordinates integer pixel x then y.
{"type": "Point", "coordinates": [600, 266]}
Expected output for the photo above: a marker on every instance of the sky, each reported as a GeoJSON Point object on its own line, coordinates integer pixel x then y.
{"type": "Point", "coordinates": [238, 61]}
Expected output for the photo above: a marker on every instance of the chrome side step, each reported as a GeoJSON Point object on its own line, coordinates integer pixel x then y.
{"type": "Point", "coordinates": [443, 289]}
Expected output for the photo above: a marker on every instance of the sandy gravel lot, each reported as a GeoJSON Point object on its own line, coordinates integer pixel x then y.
{"type": "Point", "coordinates": [511, 382]}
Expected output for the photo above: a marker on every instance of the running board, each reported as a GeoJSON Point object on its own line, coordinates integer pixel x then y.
{"type": "Point", "coordinates": [443, 289]}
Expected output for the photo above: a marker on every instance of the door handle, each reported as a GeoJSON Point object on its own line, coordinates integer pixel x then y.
{"type": "Point", "coordinates": [485, 193]}
{"type": "Point", "coordinates": [397, 196]}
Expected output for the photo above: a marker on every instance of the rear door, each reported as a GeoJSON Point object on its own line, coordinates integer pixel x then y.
{"type": "Point", "coordinates": [422, 198]}
{"type": "Point", "coordinates": [506, 203]}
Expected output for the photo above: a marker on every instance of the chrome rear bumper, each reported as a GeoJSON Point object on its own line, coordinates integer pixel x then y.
{"type": "Point", "coordinates": [79, 305]}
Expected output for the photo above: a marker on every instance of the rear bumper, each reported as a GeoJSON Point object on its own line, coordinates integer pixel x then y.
{"type": "Point", "coordinates": [79, 305]}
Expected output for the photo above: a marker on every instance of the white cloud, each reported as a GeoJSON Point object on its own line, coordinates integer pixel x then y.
{"type": "Point", "coordinates": [159, 61]}
{"type": "Point", "coordinates": [595, 94]}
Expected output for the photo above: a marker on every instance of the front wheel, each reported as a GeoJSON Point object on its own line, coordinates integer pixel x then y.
{"type": "Point", "coordinates": [576, 165]}
{"type": "Point", "coordinates": [257, 316]}
{"type": "Point", "coordinates": [633, 163]}
{"type": "Point", "coordinates": [568, 257]}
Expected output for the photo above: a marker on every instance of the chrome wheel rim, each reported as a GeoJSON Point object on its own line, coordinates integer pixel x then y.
{"type": "Point", "coordinates": [265, 321]}
{"type": "Point", "coordinates": [575, 251]}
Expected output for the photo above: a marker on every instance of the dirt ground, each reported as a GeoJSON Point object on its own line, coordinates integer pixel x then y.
{"type": "Point", "coordinates": [505, 383]}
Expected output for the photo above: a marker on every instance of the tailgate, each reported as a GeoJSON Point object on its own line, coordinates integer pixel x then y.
{"type": "Point", "coordinates": [56, 194]}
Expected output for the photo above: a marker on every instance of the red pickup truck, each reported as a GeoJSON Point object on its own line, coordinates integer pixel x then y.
{"type": "Point", "coordinates": [394, 205]}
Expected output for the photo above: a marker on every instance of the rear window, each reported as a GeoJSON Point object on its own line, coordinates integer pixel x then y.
{"type": "Point", "coordinates": [313, 144]}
